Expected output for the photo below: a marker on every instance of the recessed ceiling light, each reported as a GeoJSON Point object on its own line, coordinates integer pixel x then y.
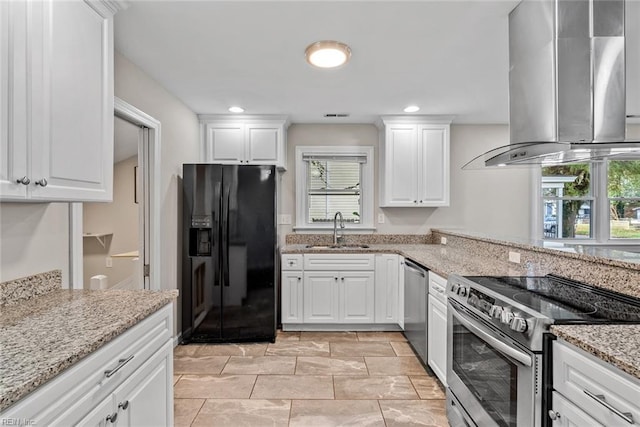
{"type": "Point", "coordinates": [327, 54]}
{"type": "Point", "coordinates": [236, 109]}
{"type": "Point", "coordinates": [411, 109]}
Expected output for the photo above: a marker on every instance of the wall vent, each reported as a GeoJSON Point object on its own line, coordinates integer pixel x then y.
{"type": "Point", "coordinates": [336, 115]}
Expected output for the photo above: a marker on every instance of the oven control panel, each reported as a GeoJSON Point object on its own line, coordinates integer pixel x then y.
{"type": "Point", "coordinates": [480, 301]}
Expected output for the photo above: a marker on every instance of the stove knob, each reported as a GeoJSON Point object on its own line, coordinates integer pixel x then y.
{"type": "Point", "coordinates": [495, 311]}
{"type": "Point", "coordinates": [454, 288]}
{"type": "Point", "coordinates": [474, 301]}
{"type": "Point", "coordinates": [518, 324]}
{"type": "Point", "coordinates": [506, 317]}
{"type": "Point", "coordinates": [462, 291]}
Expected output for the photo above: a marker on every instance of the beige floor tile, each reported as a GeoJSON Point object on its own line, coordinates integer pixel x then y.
{"type": "Point", "coordinates": [185, 411]}
{"type": "Point", "coordinates": [398, 413]}
{"type": "Point", "coordinates": [327, 413]}
{"type": "Point", "coordinates": [287, 336]}
{"type": "Point", "coordinates": [293, 386]}
{"type": "Point", "coordinates": [176, 378]}
{"type": "Point", "coordinates": [404, 365]}
{"type": "Point", "coordinates": [186, 350]}
{"type": "Point", "coordinates": [199, 364]}
{"type": "Point", "coordinates": [381, 336]}
{"type": "Point", "coordinates": [260, 365]}
{"type": "Point", "coordinates": [361, 349]}
{"type": "Point", "coordinates": [232, 350]}
{"type": "Point", "coordinates": [214, 387]}
{"type": "Point", "coordinates": [244, 412]}
{"type": "Point", "coordinates": [387, 387]}
{"type": "Point", "coordinates": [402, 348]}
{"type": "Point", "coordinates": [298, 348]}
{"type": "Point", "coordinates": [428, 387]}
{"type": "Point", "coordinates": [328, 336]}
{"type": "Point", "coordinates": [331, 366]}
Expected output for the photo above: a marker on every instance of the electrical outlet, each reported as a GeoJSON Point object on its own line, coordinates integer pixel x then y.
{"type": "Point", "coordinates": [514, 257]}
{"type": "Point", "coordinates": [443, 240]}
{"type": "Point", "coordinates": [285, 219]}
{"type": "Point", "coordinates": [108, 261]}
{"type": "Point", "coordinates": [380, 218]}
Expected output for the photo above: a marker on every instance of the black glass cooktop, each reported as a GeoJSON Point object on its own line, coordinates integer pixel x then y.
{"type": "Point", "coordinates": [564, 300]}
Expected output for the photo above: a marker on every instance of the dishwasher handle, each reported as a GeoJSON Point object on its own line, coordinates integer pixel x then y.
{"type": "Point", "coordinates": [415, 268]}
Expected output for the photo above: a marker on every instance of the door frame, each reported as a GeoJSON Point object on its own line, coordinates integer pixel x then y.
{"type": "Point", "coordinates": [138, 117]}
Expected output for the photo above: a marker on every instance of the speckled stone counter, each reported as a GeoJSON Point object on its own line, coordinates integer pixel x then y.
{"type": "Point", "coordinates": [43, 336]}
{"type": "Point", "coordinates": [618, 345]}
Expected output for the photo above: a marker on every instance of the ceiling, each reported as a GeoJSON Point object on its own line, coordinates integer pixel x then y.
{"type": "Point", "coordinates": [448, 57]}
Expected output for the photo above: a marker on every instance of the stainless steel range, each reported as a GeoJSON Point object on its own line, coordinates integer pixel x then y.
{"type": "Point", "coordinates": [496, 329]}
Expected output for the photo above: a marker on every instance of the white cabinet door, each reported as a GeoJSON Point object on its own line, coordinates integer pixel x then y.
{"type": "Point", "coordinates": [100, 416]}
{"type": "Point", "coordinates": [292, 297]}
{"type": "Point", "coordinates": [262, 144]}
{"type": "Point", "coordinates": [434, 170]}
{"type": "Point", "coordinates": [144, 398]}
{"type": "Point", "coordinates": [72, 108]}
{"type": "Point", "coordinates": [386, 288]}
{"type": "Point", "coordinates": [569, 415]}
{"type": "Point", "coordinates": [321, 297]}
{"type": "Point", "coordinates": [437, 338]}
{"type": "Point", "coordinates": [401, 161]}
{"type": "Point", "coordinates": [357, 301]}
{"type": "Point", "coordinates": [225, 143]}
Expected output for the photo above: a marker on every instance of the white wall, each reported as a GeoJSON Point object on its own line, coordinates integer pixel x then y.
{"type": "Point", "coordinates": [477, 197]}
{"type": "Point", "coordinates": [119, 218]}
{"type": "Point", "coordinates": [180, 144]}
{"type": "Point", "coordinates": [34, 238]}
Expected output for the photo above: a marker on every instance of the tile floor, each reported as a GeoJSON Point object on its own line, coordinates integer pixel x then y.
{"type": "Point", "coordinates": [307, 379]}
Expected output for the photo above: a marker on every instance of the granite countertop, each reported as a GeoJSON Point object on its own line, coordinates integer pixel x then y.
{"type": "Point", "coordinates": [441, 259]}
{"type": "Point", "coordinates": [615, 344]}
{"type": "Point", "coordinates": [42, 336]}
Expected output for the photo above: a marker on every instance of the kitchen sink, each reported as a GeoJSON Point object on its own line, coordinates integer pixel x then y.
{"type": "Point", "coordinates": [336, 246]}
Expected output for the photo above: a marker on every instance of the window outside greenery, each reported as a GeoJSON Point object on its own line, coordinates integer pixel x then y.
{"type": "Point", "coordinates": [569, 197]}
{"type": "Point", "coordinates": [332, 186]}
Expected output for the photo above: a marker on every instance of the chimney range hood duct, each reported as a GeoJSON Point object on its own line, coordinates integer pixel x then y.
{"type": "Point", "coordinates": [566, 84]}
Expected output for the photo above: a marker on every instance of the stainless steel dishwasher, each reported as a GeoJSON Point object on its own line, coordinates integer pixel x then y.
{"type": "Point", "coordinates": [415, 307]}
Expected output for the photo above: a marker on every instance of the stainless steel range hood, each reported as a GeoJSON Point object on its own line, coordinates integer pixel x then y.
{"type": "Point", "coordinates": [566, 84]}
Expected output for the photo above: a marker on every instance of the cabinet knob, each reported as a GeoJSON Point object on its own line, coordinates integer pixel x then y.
{"type": "Point", "coordinates": [299, 278]}
{"type": "Point", "coordinates": [112, 418]}
{"type": "Point", "coordinates": [24, 181]}
{"type": "Point", "coordinates": [420, 201]}
{"type": "Point", "coordinates": [415, 201]}
{"type": "Point", "coordinates": [335, 278]}
{"type": "Point", "coordinates": [123, 405]}
{"type": "Point", "coordinates": [554, 415]}
{"type": "Point", "coordinates": [43, 182]}
{"type": "Point", "coordinates": [342, 278]}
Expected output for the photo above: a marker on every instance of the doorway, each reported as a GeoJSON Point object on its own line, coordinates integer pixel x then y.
{"type": "Point", "coordinates": [115, 245]}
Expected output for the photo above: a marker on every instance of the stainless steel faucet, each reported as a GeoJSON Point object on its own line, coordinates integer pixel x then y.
{"type": "Point", "coordinates": [336, 239]}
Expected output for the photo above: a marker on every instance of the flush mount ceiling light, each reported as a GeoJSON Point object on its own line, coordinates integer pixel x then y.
{"type": "Point", "coordinates": [236, 109]}
{"type": "Point", "coordinates": [327, 54]}
{"type": "Point", "coordinates": [411, 109]}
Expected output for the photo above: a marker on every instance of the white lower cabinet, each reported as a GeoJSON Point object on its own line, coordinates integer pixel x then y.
{"type": "Point", "coordinates": [437, 327]}
{"type": "Point", "coordinates": [386, 288]}
{"type": "Point", "coordinates": [321, 300]}
{"type": "Point", "coordinates": [588, 391]}
{"type": "Point", "coordinates": [128, 382]}
{"type": "Point", "coordinates": [356, 297]}
{"type": "Point", "coordinates": [291, 301]}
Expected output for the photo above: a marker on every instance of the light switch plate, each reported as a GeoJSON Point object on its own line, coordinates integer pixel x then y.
{"type": "Point", "coordinates": [380, 218]}
{"type": "Point", "coordinates": [443, 240]}
{"type": "Point", "coordinates": [284, 219]}
{"type": "Point", "coordinates": [514, 257]}
{"type": "Point", "coordinates": [108, 262]}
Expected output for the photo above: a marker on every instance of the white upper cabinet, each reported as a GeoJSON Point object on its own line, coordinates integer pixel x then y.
{"type": "Point", "coordinates": [414, 161]}
{"type": "Point", "coordinates": [255, 140]}
{"type": "Point", "coordinates": [57, 137]}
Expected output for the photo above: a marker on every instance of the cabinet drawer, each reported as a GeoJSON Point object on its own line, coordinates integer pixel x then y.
{"type": "Point", "coordinates": [339, 262]}
{"type": "Point", "coordinates": [292, 262]}
{"type": "Point", "coordinates": [594, 386]}
{"type": "Point", "coordinates": [437, 287]}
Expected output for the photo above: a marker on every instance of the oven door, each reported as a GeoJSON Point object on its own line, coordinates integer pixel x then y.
{"type": "Point", "coordinates": [493, 377]}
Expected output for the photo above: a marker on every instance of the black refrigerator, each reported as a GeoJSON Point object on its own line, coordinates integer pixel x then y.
{"type": "Point", "coordinates": [228, 253]}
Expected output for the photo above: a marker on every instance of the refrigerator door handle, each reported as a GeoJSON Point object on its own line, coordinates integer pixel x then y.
{"type": "Point", "coordinates": [225, 236]}
{"type": "Point", "coordinates": [216, 220]}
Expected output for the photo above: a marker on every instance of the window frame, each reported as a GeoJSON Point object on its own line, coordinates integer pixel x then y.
{"type": "Point", "coordinates": [601, 233]}
{"type": "Point", "coordinates": [366, 186]}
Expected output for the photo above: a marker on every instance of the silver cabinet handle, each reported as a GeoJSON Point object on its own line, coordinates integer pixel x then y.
{"type": "Point", "coordinates": [627, 416]}
{"type": "Point", "coordinates": [123, 405]}
{"type": "Point", "coordinates": [121, 363]}
{"type": "Point", "coordinates": [43, 182]}
{"type": "Point", "coordinates": [112, 418]}
{"type": "Point", "coordinates": [24, 181]}
{"type": "Point", "coordinates": [554, 415]}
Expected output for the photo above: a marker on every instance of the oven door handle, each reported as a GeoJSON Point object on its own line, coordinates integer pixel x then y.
{"type": "Point", "coordinates": [506, 349]}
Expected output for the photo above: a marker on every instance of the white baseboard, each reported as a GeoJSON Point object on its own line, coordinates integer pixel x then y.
{"type": "Point", "coordinates": [338, 327]}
